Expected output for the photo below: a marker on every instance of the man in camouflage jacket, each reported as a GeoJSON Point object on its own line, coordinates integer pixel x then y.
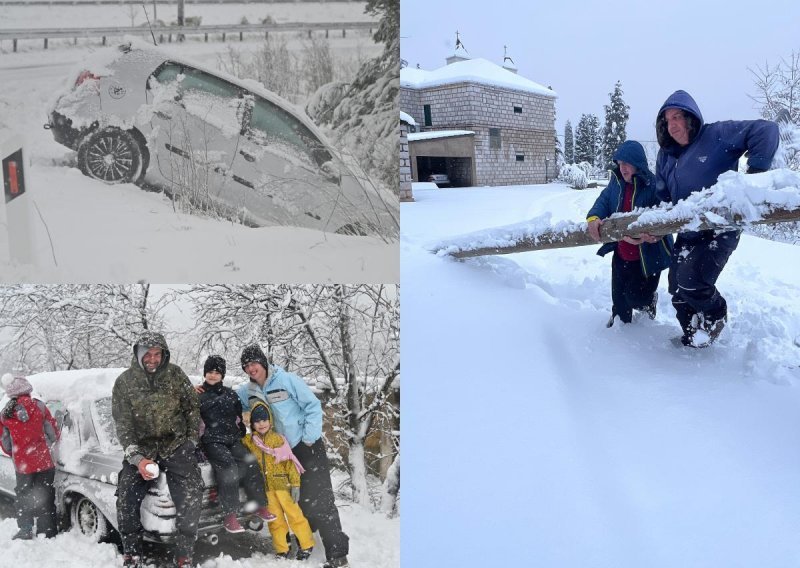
{"type": "Point", "coordinates": [157, 417]}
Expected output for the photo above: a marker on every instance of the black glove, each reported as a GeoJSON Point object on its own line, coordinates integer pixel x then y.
{"type": "Point", "coordinates": [8, 409]}
{"type": "Point", "coordinates": [199, 454]}
{"type": "Point", "coordinates": [242, 430]}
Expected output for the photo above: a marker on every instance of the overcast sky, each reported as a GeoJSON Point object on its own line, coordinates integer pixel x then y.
{"type": "Point", "coordinates": [581, 48]}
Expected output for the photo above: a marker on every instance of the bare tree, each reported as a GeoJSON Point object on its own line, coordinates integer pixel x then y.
{"type": "Point", "coordinates": [778, 88]}
{"type": "Point", "coordinates": [61, 327]}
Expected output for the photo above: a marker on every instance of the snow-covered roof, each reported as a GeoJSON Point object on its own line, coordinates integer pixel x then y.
{"type": "Point", "coordinates": [477, 70]}
{"type": "Point", "coordinates": [437, 134]}
{"type": "Point", "coordinates": [407, 118]}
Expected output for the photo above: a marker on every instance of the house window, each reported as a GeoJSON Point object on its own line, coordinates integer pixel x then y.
{"type": "Point", "coordinates": [517, 109]}
{"type": "Point", "coordinates": [520, 157]}
{"type": "Point", "coordinates": [494, 138]}
{"type": "Point", "coordinates": [427, 110]}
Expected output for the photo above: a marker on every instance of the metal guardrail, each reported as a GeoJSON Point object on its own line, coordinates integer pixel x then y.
{"type": "Point", "coordinates": [173, 31]}
{"type": "Point", "coordinates": [150, 2]}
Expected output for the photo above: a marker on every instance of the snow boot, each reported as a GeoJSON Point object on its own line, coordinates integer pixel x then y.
{"type": "Point", "coordinates": [23, 534]}
{"type": "Point", "coordinates": [231, 524]}
{"type": "Point", "coordinates": [610, 322]}
{"type": "Point", "coordinates": [650, 309]}
{"type": "Point", "coordinates": [708, 331]}
{"type": "Point", "coordinates": [304, 553]}
{"type": "Point", "coordinates": [340, 562]}
{"type": "Point", "coordinates": [265, 515]}
{"type": "Point", "coordinates": [283, 555]}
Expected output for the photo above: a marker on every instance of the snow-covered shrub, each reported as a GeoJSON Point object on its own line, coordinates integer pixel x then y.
{"type": "Point", "coordinates": [574, 175]}
{"type": "Point", "coordinates": [587, 168]}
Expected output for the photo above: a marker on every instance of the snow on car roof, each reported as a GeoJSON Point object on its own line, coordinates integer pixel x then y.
{"type": "Point", "coordinates": [161, 53]}
{"type": "Point", "coordinates": [75, 385]}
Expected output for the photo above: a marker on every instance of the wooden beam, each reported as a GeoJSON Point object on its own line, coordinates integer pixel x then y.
{"type": "Point", "coordinates": [613, 229]}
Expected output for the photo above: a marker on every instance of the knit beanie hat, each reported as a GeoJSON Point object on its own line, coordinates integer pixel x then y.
{"type": "Point", "coordinates": [214, 363]}
{"type": "Point", "coordinates": [16, 386]}
{"type": "Point", "coordinates": [259, 414]}
{"type": "Point", "coordinates": [253, 353]}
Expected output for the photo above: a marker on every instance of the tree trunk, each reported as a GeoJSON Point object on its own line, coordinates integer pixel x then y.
{"type": "Point", "coordinates": [613, 229]}
{"type": "Point", "coordinates": [391, 488]}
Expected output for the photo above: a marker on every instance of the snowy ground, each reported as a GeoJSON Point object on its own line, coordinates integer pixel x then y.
{"type": "Point", "coordinates": [103, 233]}
{"type": "Point", "coordinates": [374, 543]}
{"type": "Point", "coordinates": [561, 443]}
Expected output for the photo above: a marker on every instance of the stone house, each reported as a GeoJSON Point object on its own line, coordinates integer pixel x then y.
{"type": "Point", "coordinates": [511, 119]}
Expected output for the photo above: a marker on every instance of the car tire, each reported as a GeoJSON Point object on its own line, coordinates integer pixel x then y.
{"type": "Point", "coordinates": [111, 155]}
{"type": "Point", "coordinates": [87, 518]}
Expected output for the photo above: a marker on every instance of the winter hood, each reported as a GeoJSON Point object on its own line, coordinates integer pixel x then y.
{"type": "Point", "coordinates": [632, 152]}
{"type": "Point", "coordinates": [145, 341]}
{"type": "Point", "coordinates": [681, 100]}
{"type": "Point", "coordinates": [261, 407]}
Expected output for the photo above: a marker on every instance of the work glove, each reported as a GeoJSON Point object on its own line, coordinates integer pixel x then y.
{"type": "Point", "coordinates": [295, 493]}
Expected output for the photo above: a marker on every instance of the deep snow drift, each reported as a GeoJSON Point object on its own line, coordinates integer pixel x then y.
{"type": "Point", "coordinates": [545, 439]}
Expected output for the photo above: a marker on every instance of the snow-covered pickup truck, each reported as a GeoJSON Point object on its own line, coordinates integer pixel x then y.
{"type": "Point", "coordinates": [89, 457]}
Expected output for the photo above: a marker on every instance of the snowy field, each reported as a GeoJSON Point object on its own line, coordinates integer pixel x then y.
{"type": "Point", "coordinates": [86, 231]}
{"type": "Point", "coordinates": [561, 443]}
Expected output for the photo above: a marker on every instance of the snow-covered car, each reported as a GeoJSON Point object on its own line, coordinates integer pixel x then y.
{"type": "Point", "coordinates": [137, 113]}
{"type": "Point", "coordinates": [441, 180]}
{"type": "Point", "coordinates": [89, 457]}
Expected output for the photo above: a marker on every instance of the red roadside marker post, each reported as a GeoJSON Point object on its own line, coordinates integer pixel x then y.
{"type": "Point", "coordinates": [17, 222]}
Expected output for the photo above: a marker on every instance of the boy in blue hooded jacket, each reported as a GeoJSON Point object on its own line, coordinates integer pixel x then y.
{"type": "Point", "coordinates": [637, 261]}
{"type": "Point", "coordinates": [691, 158]}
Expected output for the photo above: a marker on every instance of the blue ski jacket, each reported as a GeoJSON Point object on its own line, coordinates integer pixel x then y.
{"type": "Point", "coordinates": [653, 257]}
{"type": "Point", "coordinates": [297, 411]}
{"type": "Point", "coordinates": [714, 149]}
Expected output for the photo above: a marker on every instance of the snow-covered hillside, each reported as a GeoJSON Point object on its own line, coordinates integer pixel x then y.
{"type": "Point", "coordinates": [558, 442]}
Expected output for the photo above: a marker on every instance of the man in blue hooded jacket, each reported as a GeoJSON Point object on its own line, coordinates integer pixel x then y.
{"type": "Point", "coordinates": [691, 158]}
{"type": "Point", "coordinates": [637, 261]}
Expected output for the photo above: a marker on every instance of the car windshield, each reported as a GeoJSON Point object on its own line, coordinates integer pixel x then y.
{"type": "Point", "coordinates": [271, 124]}
{"type": "Point", "coordinates": [106, 431]}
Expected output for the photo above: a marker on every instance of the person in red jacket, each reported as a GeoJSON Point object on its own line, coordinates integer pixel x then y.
{"type": "Point", "coordinates": [28, 430]}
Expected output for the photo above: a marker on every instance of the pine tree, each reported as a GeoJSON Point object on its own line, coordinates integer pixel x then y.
{"type": "Point", "coordinates": [587, 139]}
{"type": "Point", "coordinates": [614, 130]}
{"type": "Point", "coordinates": [569, 144]}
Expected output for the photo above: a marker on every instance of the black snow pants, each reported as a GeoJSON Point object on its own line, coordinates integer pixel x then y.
{"type": "Point", "coordinates": [36, 498]}
{"type": "Point", "coordinates": [630, 288]}
{"type": "Point", "coordinates": [185, 488]}
{"type": "Point", "coordinates": [697, 262]}
{"type": "Point", "coordinates": [317, 500]}
{"type": "Point", "coordinates": [234, 465]}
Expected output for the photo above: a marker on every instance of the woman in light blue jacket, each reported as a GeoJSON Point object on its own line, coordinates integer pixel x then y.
{"type": "Point", "coordinates": [298, 416]}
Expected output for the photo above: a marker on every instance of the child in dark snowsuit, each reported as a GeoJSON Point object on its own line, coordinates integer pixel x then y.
{"type": "Point", "coordinates": [221, 411]}
{"type": "Point", "coordinates": [637, 262]}
{"type": "Point", "coordinates": [28, 430]}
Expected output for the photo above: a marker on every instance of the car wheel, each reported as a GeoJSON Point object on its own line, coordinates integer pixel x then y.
{"type": "Point", "coordinates": [88, 519]}
{"type": "Point", "coordinates": [112, 156]}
